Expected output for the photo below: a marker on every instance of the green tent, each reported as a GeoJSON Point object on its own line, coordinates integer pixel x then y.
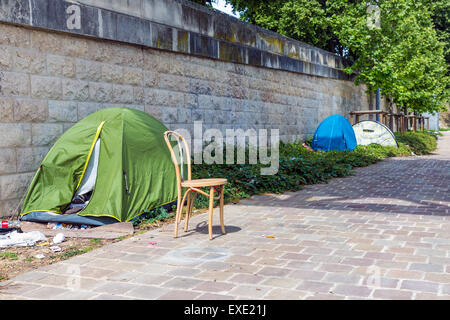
{"type": "Point", "coordinates": [118, 156]}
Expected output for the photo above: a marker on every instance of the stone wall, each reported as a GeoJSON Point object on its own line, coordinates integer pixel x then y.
{"type": "Point", "coordinates": [50, 80]}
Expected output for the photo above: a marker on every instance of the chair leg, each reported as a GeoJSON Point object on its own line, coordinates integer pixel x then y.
{"type": "Point", "coordinates": [189, 207]}
{"type": "Point", "coordinates": [178, 214]}
{"type": "Point", "coordinates": [186, 215]}
{"type": "Point", "coordinates": [211, 207]}
{"type": "Point", "coordinates": [222, 225]}
{"type": "Point", "coordinates": [180, 210]}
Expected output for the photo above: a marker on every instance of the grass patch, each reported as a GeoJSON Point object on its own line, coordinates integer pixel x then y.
{"type": "Point", "coordinates": [8, 255]}
{"type": "Point", "coordinates": [74, 251]}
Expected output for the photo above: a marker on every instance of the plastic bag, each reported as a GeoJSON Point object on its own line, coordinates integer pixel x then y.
{"type": "Point", "coordinates": [58, 238]}
{"type": "Point", "coordinates": [21, 239]}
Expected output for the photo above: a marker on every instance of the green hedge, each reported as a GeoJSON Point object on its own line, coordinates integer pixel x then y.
{"type": "Point", "coordinates": [298, 166]}
{"type": "Point", "coordinates": [420, 142]}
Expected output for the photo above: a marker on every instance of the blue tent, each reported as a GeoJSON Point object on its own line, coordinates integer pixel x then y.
{"type": "Point", "coordinates": [334, 133]}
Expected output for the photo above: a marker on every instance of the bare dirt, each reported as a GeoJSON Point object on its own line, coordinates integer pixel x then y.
{"type": "Point", "coordinates": [18, 260]}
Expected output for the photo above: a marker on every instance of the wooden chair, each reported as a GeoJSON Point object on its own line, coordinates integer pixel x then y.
{"type": "Point", "coordinates": [216, 185]}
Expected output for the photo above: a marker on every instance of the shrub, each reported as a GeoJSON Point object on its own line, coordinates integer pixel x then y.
{"type": "Point", "coordinates": [149, 217]}
{"type": "Point", "coordinates": [298, 166]}
{"type": "Point", "coordinates": [420, 142]}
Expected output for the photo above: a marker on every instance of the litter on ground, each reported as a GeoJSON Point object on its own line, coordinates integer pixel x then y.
{"type": "Point", "coordinates": [55, 248]}
{"type": "Point", "coordinates": [58, 238]}
{"type": "Point", "coordinates": [25, 239]}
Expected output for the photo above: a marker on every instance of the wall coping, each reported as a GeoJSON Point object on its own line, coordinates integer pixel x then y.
{"type": "Point", "coordinates": [178, 26]}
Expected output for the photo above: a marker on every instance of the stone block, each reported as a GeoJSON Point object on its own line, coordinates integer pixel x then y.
{"type": "Point", "coordinates": [60, 66]}
{"type": "Point", "coordinates": [7, 160]}
{"type": "Point", "coordinates": [100, 91]}
{"type": "Point", "coordinates": [29, 61]}
{"type": "Point", "coordinates": [169, 115]}
{"type": "Point", "coordinates": [88, 70]}
{"type": "Point", "coordinates": [154, 111]}
{"type": "Point", "coordinates": [133, 76]}
{"type": "Point", "coordinates": [112, 73]}
{"type": "Point", "coordinates": [14, 185]}
{"type": "Point", "coordinates": [9, 208]}
{"type": "Point", "coordinates": [30, 110]}
{"type": "Point", "coordinates": [174, 82]}
{"type": "Point", "coordinates": [75, 90]}
{"type": "Point", "coordinates": [6, 109]}
{"type": "Point", "coordinates": [15, 134]}
{"type": "Point", "coordinates": [5, 59]}
{"type": "Point", "coordinates": [122, 94]}
{"type": "Point", "coordinates": [151, 78]}
{"type": "Point", "coordinates": [29, 158]}
{"type": "Point", "coordinates": [14, 83]}
{"type": "Point", "coordinates": [139, 95]}
{"type": "Point", "coordinates": [62, 111]}
{"type": "Point", "coordinates": [45, 134]}
{"type": "Point", "coordinates": [87, 108]}
{"type": "Point", "coordinates": [46, 87]}
{"type": "Point", "coordinates": [74, 46]}
{"type": "Point", "coordinates": [14, 36]}
{"type": "Point", "coordinates": [46, 42]}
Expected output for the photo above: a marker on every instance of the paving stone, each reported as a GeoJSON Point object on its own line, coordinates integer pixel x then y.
{"type": "Point", "coordinates": [315, 286]}
{"type": "Point", "coordinates": [404, 274]}
{"type": "Point", "coordinates": [388, 294]}
{"type": "Point", "coordinates": [146, 292]}
{"type": "Point", "coordinates": [426, 267]}
{"type": "Point", "coordinates": [246, 278]}
{"type": "Point", "coordinates": [279, 282]}
{"type": "Point", "coordinates": [213, 286]}
{"type": "Point", "coordinates": [273, 272]}
{"type": "Point", "coordinates": [285, 294]}
{"type": "Point", "coordinates": [352, 291]}
{"type": "Point", "coordinates": [45, 293]}
{"type": "Point", "coordinates": [116, 288]}
{"type": "Point", "coordinates": [423, 286]}
{"type": "Point", "coordinates": [307, 275]}
{"type": "Point", "coordinates": [182, 283]}
{"type": "Point", "coordinates": [342, 278]}
{"type": "Point", "coordinates": [249, 291]}
{"type": "Point", "coordinates": [180, 295]}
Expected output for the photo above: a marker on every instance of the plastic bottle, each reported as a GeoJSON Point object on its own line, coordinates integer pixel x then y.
{"type": "Point", "coordinates": [10, 224]}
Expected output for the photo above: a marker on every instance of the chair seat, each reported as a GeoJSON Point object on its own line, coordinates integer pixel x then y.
{"type": "Point", "coordinates": [198, 183]}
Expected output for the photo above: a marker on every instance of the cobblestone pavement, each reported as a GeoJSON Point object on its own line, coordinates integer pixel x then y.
{"type": "Point", "coordinates": [382, 233]}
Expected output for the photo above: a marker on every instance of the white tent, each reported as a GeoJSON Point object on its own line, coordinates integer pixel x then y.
{"type": "Point", "coordinates": [373, 132]}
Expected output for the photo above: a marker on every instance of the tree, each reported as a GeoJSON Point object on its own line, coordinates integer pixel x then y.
{"type": "Point", "coordinates": [303, 20]}
{"type": "Point", "coordinates": [441, 20]}
{"type": "Point", "coordinates": [402, 56]}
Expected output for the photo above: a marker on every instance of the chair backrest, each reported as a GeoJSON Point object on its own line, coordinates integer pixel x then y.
{"type": "Point", "coordinates": [183, 153]}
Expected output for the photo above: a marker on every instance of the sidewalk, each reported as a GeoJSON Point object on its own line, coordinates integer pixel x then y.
{"type": "Point", "coordinates": [383, 233]}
